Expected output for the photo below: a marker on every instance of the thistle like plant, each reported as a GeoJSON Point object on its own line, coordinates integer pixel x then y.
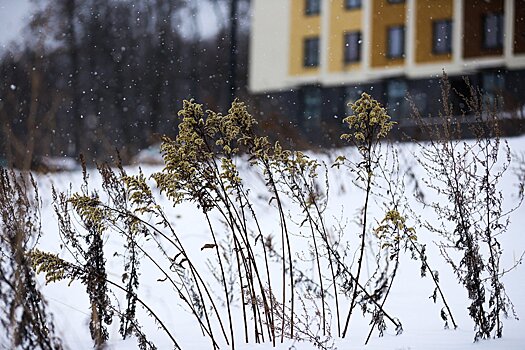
{"type": "Point", "coordinates": [369, 124]}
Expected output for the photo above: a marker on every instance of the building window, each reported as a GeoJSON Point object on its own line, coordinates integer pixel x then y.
{"type": "Point", "coordinates": [311, 52]}
{"type": "Point", "coordinates": [312, 7]}
{"type": "Point", "coordinates": [352, 49]}
{"type": "Point", "coordinates": [312, 104]}
{"type": "Point", "coordinates": [493, 31]}
{"type": "Point", "coordinates": [396, 102]}
{"type": "Point", "coordinates": [442, 36]}
{"type": "Point", "coordinates": [493, 83]}
{"type": "Point", "coordinates": [352, 94]}
{"type": "Point", "coordinates": [396, 42]}
{"type": "Point", "coordinates": [352, 4]}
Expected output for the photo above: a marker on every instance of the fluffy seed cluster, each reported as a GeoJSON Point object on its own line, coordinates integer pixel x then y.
{"type": "Point", "coordinates": [369, 123]}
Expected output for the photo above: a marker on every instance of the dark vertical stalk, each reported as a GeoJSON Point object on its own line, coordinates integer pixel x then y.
{"type": "Point", "coordinates": [226, 294]}
{"type": "Point", "coordinates": [324, 236]}
{"type": "Point", "coordinates": [368, 169]}
{"type": "Point", "coordinates": [318, 263]}
{"type": "Point", "coordinates": [285, 239]}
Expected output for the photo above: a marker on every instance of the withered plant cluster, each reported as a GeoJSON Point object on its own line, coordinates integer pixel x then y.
{"type": "Point", "coordinates": [303, 281]}
{"type": "Point", "coordinates": [25, 322]}
{"type": "Point", "coordinates": [471, 215]}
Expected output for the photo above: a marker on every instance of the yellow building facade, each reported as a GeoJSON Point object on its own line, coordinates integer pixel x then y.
{"type": "Point", "coordinates": [311, 58]}
{"type": "Point", "coordinates": [346, 21]}
{"type": "Point", "coordinates": [385, 15]}
{"type": "Point", "coordinates": [427, 13]}
{"type": "Point", "coordinates": [302, 28]}
{"type": "Point", "coordinates": [333, 42]}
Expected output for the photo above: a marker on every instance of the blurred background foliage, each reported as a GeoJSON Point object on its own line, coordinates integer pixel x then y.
{"type": "Point", "coordinates": [95, 76]}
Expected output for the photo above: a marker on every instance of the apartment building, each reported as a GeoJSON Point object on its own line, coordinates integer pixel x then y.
{"type": "Point", "coordinates": [315, 56]}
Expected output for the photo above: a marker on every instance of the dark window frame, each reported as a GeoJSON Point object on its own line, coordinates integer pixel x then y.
{"type": "Point", "coordinates": [310, 61]}
{"type": "Point", "coordinates": [312, 7]}
{"type": "Point", "coordinates": [390, 30]}
{"type": "Point", "coordinates": [355, 56]}
{"type": "Point", "coordinates": [436, 47]}
{"type": "Point", "coordinates": [353, 4]}
{"type": "Point", "coordinates": [500, 27]}
{"type": "Point", "coordinates": [397, 103]}
{"type": "Point", "coordinates": [493, 86]}
{"type": "Point", "coordinates": [312, 108]}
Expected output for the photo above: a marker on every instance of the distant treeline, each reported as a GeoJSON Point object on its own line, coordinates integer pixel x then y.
{"type": "Point", "coordinates": [93, 76]}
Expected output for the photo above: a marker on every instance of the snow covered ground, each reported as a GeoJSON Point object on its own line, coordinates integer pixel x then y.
{"type": "Point", "coordinates": [409, 301]}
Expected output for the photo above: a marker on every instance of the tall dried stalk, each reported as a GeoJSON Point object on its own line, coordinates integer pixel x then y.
{"type": "Point", "coordinates": [24, 319]}
{"type": "Point", "coordinates": [467, 175]}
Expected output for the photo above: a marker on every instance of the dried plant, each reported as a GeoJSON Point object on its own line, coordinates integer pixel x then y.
{"type": "Point", "coordinates": [466, 175]}
{"type": "Point", "coordinates": [369, 124]}
{"type": "Point", "coordinates": [203, 167]}
{"type": "Point", "coordinates": [24, 319]}
{"type": "Point", "coordinates": [310, 322]}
